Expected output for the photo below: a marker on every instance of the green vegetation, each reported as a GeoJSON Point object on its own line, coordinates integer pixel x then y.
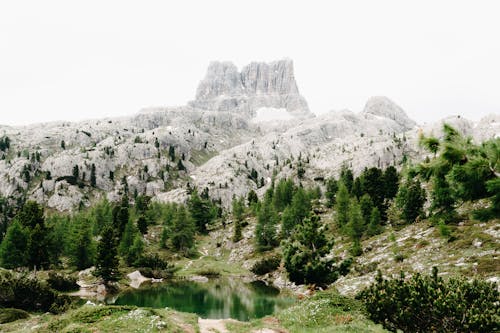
{"type": "Point", "coordinates": [429, 304]}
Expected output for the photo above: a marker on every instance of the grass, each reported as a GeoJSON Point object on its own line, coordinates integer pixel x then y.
{"type": "Point", "coordinates": [109, 319]}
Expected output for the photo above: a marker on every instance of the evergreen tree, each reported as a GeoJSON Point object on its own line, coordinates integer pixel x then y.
{"type": "Point", "coordinates": [410, 200]}
{"type": "Point", "coordinates": [106, 265]}
{"type": "Point", "coordinates": [265, 231]}
{"type": "Point", "coordinates": [92, 175]}
{"type": "Point", "coordinates": [252, 198]}
{"type": "Point", "coordinates": [305, 254]}
{"type": "Point", "coordinates": [142, 225]}
{"type": "Point", "coordinates": [126, 242]}
{"type": "Point", "coordinates": [373, 185]}
{"type": "Point", "coordinates": [391, 182]}
{"type": "Point", "coordinates": [76, 172]}
{"type": "Point", "coordinates": [183, 231]}
{"type": "Point", "coordinates": [121, 216]}
{"type": "Point", "coordinates": [200, 210]}
{"type": "Point", "coordinates": [366, 205]}
{"type": "Point", "coordinates": [331, 191]}
{"type": "Point", "coordinates": [347, 177]}
{"type": "Point", "coordinates": [374, 227]}
{"type": "Point", "coordinates": [14, 247]}
{"type": "Point", "coordinates": [136, 250]}
{"type": "Point", "coordinates": [342, 206]}
{"type": "Point", "coordinates": [355, 226]}
{"type": "Point", "coordinates": [63, 144]}
{"type": "Point", "coordinates": [82, 247]}
{"type": "Point", "coordinates": [180, 165]}
{"type": "Point", "coordinates": [238, 209]}
{"type": "Point", "coordinates": [295, 213]}
{"type": "Point", "coordinates": [38, 247]}
{"type": "Point", "coordinates": [357, 187]}
{"type": "Point", "coordinates": [283, 194]}
{"type": "Point", "coordinates": [30, 215]}
{"type": "Point", "coordinates": [171, 153]}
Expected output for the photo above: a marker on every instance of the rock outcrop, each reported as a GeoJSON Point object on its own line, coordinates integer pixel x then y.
{"type": "Point", "coordinates": [258, 85]}
{"type": "Point", "coordinates": [381, 106]}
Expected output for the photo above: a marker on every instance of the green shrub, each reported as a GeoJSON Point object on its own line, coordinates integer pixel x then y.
{"type": "Point", "coordinates": [266, 265]}
{"type": "Point", "coordinates": [61, 282]}
{"type": "Point", "coordinates": [9, 315]}
{"type": "Point", "coordinates": [153, 266]}
{"type": "Point", "coordinates": [430, 304]}
{"type": "Point", "coordinates": [28, 293]}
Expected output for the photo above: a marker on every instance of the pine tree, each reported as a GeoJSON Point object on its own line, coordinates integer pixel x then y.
{"type": "Point", "coordinates": [126, 242]}
{"type": "Point", "coordinates": [136, 250]}
{"type": "Point", "coordinates": [331, 191]}
{"type": "Point", "coordinates": [294, 214]}
{"type": "Point", "coordinates": [92, 176]}
{"type": "Point", "coordinates": [366, 205]}
{"type": "Point", "coordinates": [305, 254]}
{"type": "Point", "coordinates": [355, 226]}
{"type": "Point", "coordinates": [14, 247]}
{"type": "Point", "coordinates": [265, 231]}
{"type": "Point", "coordinates": [238, 209]}
{"type": "Point", "coordinates": [374, 227]}
{"type": "Point", "coordinates": [347, 177]}
{"type": "Point", "coordinates": [76, 172]}
{"type": "Point", "coordinates": [391, 182]}
{"type": "Point", "coordinates": [142, 225]}
{"type": "Point", "coordinates": [410, 200]}
{"type": "Point", "coordinates": [82, 247]}
{"type": "Point", "coordinates": [200, 210]}
{"type": "Point", "coordinates": [342, 206]}
{"type": "Point", "coordinates": [183, 231]}
{"type": "Point", "coordinates": [171, 153]}
{"type": "Point", "coordinates": [107, 256]}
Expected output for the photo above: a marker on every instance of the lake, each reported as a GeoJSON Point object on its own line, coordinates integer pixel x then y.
{"type": "Point", "coordinates": [216, 299]}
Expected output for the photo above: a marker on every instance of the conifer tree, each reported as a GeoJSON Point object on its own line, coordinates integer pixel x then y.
{"type": "Point", "coordinates": [265, 231]}
{"type": "Point", "coordinates": [14, 247]}
{"type": "Point", "coordinates": [183, 231]}
{"type": "Point", "coordinates": [81, 247]}
{"type": "Point", "coordinates": [127, 241]}
{"type": "Point", "coordinates": [355, 226]}
{"type": "Point", "coordinates": [238, 209]}
{"type": "Point", "coordinates": [374, 227]}
{"type": "Point", "coordinates": [92, 175]}
{"type": "Point", "coordinates": [342, 206]}
{"type": "Point", "coordinates": [305, 254]}
{"type": "Point", "coordinates": [331, 191]}
{"type": "Point", "coordinates": [106, 265]}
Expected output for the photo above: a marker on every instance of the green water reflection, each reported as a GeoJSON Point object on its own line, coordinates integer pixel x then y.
{"type": "Point", "coordinates": [216, 299]}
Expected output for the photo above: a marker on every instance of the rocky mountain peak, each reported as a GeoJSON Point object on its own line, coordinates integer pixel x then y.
{"type": "Point", "coordinates": [382, 106]}
{"type": "Point", "coordinates": [258, 85]}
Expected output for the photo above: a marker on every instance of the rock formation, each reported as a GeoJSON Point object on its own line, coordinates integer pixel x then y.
{"type": "Point", "coordinates": [258, 85]}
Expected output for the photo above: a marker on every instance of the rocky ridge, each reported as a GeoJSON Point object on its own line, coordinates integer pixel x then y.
{"type": "Point", "coordinates": [162, 151]}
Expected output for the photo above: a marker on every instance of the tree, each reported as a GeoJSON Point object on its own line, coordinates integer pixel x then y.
{"type": "Point", "coordinates": [171, 153]}
{"type": "Point", "coordinates": [355, 226]}
{"type": "Point", "coordinates": [331, 191]}
{"type": "Point", "coordinates": [295, 213]}
{"type": "Point", "coordinates": [346, 177]}
{"type": "Point", "coordinates": [142, 225]}
{"type": "Point", "coordinates": [283, 194]}
{"type": "Point", "coordinates": [200, 210]}
{"type": "Point", "coordinates": [238, 209]}
{"type": "Point", "coordinates": [81, 248]}
{"type": "Point", "coordinates": [342, 206]}
{"type": "Point", "coordinates": [373, 185]}
{"type": "Point", "coordinates": [136, 250]}
{"type": "Point", "coordinates": [92, 175]}
{"type": "Point", "coordinates": [410, 200]}
{"type": "Point", "coordinates": [366, 206]}
{"type": "Point", "coordinates": [106, 265]}
{"type": "Point", "coordinates": [390, 180]}
{"type": "Point", "coordinates": [30, 215]}
{"type": "Point", "coordinates": [252, 198]}
{"type": "Point", "coordinates": [13, 249]}
{"type": "Point", "coordinates": [76, 172]}
{"type": "Point", "coordinates": [265, 231]}
{"type": "Point", "coordinates": [63, 144]}
{"type": "Point", "coordinates": [305, 255]}
{"type": "Point", "coordinates": [127, 241]}
{"type": "Point", "coordinates": [121, 216]}
{"type": "Point", "coordinates": [183, 231]}
{"type": "Point", "coordinates": [374, 227]}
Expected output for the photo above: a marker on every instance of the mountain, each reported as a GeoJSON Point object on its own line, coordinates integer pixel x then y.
{"type": "Point", "coordinates": [242, 129]}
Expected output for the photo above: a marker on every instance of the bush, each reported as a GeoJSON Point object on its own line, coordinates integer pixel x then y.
{"type": "Point", "coordinates": [9, 315]}
{"type": "Point", "coordinates": [61, 282]}
{"type": "Point", "coordinates": [266, 265]}
{"type": "Point", "coordinates": [28, 293]}
{"type": "Point", "coordinates": [430, 304]}
{"type": "Point", "coordinates": [152, 266]}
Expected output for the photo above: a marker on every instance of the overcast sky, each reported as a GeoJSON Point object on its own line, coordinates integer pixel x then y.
{"type": "Point", "coordinates": [72, 60]}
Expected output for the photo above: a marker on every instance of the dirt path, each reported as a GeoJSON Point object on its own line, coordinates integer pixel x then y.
{"type": "Point", "coordinates": [212, 326]}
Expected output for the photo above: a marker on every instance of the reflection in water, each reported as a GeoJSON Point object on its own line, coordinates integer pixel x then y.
{"type": "Point", "coordinates": [216, 299]}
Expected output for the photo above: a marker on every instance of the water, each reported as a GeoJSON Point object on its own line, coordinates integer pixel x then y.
{"type": "Point", "coordinates": [216, 299]}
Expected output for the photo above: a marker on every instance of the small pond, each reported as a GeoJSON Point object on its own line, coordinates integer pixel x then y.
{"type": "Point", "coordinates": [215, 299]}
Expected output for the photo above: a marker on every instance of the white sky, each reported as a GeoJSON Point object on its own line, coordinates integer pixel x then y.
{"type": "Point", "coordinates": [71, 60]}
